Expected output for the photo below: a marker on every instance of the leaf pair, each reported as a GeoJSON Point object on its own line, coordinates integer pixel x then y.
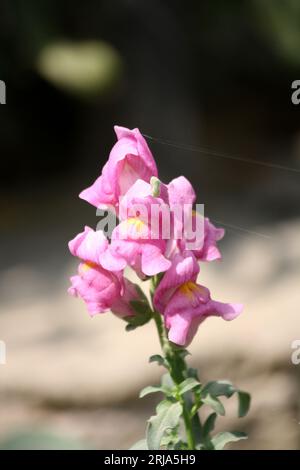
{"type": "Point", "coordinates": [167, 387]}
{"type": "Point", "coordinates": [168, 412]}
{"type": "Point", "coordinates": [209, 396]}
{"type": "Point", "coordinates": [212, 390]}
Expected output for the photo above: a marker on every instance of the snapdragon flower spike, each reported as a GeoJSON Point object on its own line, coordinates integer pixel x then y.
{"type": "Point", "coordinates": [130, 159]}
{"type": "Point", "coordinates": [101, 290]}
{"type": "Point", "coordinates": [186, 304]}
{"type": "Point", "coordinates": [136, 241]}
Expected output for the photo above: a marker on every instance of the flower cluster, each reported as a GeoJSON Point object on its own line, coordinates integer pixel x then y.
{"type": "Point", "coordinates": [128, 185]}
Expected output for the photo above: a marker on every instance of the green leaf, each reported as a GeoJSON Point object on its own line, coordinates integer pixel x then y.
{"type": "Point", "coordinates": [219, 388]}
{"type": "Point", "coordinates": [171, 440]}
{"type": "Point", "coordinates": [153, 389]}
{"type": "Point", "coordinates": [167, 381]}
{"type": "Point", "coordinates": [244, 403]}
{"type": "Point", "coordinates": [209, 424]}
{"type": "Point", "coordinates": [200, 446]}
{"type": "Point", "coordinates": [159, 359]}
{"type": "Point", "coordinates": [188, 384]}
{"type": "Point", "coordinates": [192, 372]}
{"type": "Point", "coordinates": [183, 352]}
{"type": "Point", "coordinates": [141, 307]}
{"type": "Point", "coordinates": [141, 293]}
{"type": "Point", "coordinates": [142, 316]}
{"type": "Point", "coordinates": [164, 404]}
{"type": "Point", "coordinates": [222, 438]}
{"type": "Point", "coordinates": [167, 418]}
{"type": "Point", "coordinates": [214, 403]}
{"type": "Point", "coordinates": [224, 388]}
{"type": "Point", "coordinates": [140, 445]}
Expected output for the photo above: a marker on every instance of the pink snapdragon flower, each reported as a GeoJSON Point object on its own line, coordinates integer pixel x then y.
{"type": "Point", "coordinates": [209, 250]}
{"type": "Point", "coordinates": [137, 241]}
{"type": "Point", "coordinates": [190, 228]}
{"type": "Point", "coordinates": [101, 290]}
{"type": "Point", "coordinates": [186, 304]}
{"type": "Point", "coordinates": [206, 248]}
{"type": "Point", "coordinates": [181, 197]}
{"type": "Point", "coordinates": [89, 245]}
{"type": "Point", "coordinates": [130, 159]}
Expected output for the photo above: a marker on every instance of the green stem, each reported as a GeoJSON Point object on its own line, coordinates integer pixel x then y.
{"type": "Point", "coordinates": [177, 369]}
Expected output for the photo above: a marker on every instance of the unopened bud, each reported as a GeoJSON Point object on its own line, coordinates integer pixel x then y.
{"type": "Point", "coordinates": [155, 185]}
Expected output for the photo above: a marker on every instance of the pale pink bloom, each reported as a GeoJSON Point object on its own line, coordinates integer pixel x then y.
{"type": "Point", "coordinates": [184, 267]}
{"type": "Point", "coordinates": [130, 159]}
{"type": "Point", "coordinates": [181, 193]}
{"type": "Point", "coordinates": [101, 290]}
{"type": "Point", "coordinates": [122, 305]}
{"type": "Point", "coordinates": [205, 246]}
{"type": "Point", "coordinates": [136, 241]}
{"type": "Point", "coordinates": [186, 304]}
{"type": "Point", "coordinates": [89, 245]}
{"type": "Point", "coordinates": [210, 251]}
{"type": "Point", "coordinates": [181, 197]}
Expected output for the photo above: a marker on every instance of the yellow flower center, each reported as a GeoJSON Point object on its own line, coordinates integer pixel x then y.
{"type": "Point", "coordinates": [88, 265]}
{"type": "Point", "coordinates": [190, 289]}
{"type": "Point", "coordinates": [136, 223]}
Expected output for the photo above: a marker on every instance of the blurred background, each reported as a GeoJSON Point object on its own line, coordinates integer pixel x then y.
{"type": "Point", "coordinates": [214, 78]}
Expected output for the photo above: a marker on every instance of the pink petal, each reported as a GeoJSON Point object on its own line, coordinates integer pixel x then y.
{"type": "Point", "coordinates": [153, 262]}
{"type": "Point", "coordinates": [227, 311]}
{"type": "Point", "coordinates": [111, 261]}
{"type": "Point", "coordinates": [212, 234]}
{"type": "Point", "coordinates": [98, 288]}
{"type": "Point", "coordinates": [97, 195]}
{"type": "Point", "coordinates": [121, 307]}
{"type": "Point", "coordinates": [141, 147]}
{"type": "Point", "coordinates": [181, 191]}
{"type": "Point", "coordinates": [178, 328]}
{"type": "Point", "coordinates": [89, 245]}
{"type": "Point", "coordinates": [184, 268]}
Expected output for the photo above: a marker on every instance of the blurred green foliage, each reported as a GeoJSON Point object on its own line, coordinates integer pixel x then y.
{"type": "Point", "coordinates": [85, 68]}
{"type": "Point", "coordinates": [280, 21]}
{"type": "Point", "coordinates": [39, 440]}
{"type": "Point", "coordinates": [73, 69]}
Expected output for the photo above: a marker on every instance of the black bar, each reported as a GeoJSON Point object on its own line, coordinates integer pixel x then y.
{"type": "Point", "coordinates": [158, 459]}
